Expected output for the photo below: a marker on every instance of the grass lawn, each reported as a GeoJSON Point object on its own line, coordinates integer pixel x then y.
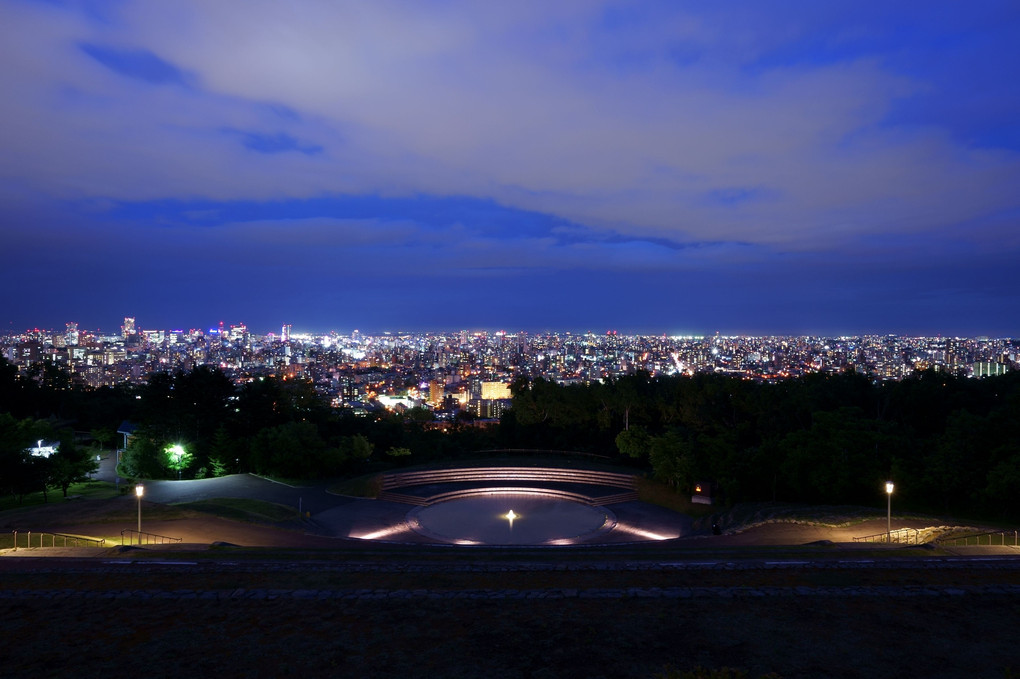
{"type": "Point", "coordinates": [239, 509]}
{"type": "Point", "coordinates": [369, 485]}
{"type": "Point", "coordinates": [87, 490]}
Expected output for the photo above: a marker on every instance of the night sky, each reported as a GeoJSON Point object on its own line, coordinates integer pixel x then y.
{"type": "Point", "coordinates": [664, 167]}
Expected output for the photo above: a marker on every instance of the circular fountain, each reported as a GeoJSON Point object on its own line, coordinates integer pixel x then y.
{"type": "Point", "coordinates": [510, 517]}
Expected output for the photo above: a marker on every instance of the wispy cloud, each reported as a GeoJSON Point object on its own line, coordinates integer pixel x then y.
{"type": "Point", "coordinates": [579, 135]}
{"type": "Point", "coordinates": [136, 63]}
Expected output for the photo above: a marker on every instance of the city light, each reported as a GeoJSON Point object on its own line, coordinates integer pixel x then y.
{"type": "Point", "coordinates": [482, 366]}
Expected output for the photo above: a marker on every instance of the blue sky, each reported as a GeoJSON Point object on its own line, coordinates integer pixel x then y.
{"type": "Point", "coordinates": [743, 167]}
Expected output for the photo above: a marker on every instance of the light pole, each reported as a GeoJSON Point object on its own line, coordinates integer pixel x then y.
{"type": "Point", "coordinates": [139, 491]}
{"type": "Point", "coordinates": [176, 452]}
{"type": "Point", "coordinates": [888, 509]}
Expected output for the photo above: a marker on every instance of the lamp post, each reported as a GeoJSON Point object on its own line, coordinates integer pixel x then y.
{"type": "Point", "coordinates": [176, 452]}
{"type": "Point", "coordinates": [139, 491]}
{"type": "Point", "coordinates": [888, 510]}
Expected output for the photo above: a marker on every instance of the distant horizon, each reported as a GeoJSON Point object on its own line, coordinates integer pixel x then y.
{"type": "Point", "coordinates": [306, 330]}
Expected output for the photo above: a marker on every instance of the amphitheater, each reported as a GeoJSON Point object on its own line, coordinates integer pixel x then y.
{"type": "Point", "coordinates": [506, 506]}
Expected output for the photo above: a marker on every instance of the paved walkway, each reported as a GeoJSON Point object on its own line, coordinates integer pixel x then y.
{"type": "Point", "coordinates": [502, 594]}
{"type": "Point", "coordinates": [336, 517]}
{"type": "Point", "coordinates": [345, 517]}
{"type": "Point", "coordinates": [191, 568]}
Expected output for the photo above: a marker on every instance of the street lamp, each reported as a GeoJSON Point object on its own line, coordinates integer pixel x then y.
{"type": "Point", "coordinates": [176, 452]}
{"type": "Point", "coordinates": [139, 491]}
{"type": "Point", "coordinates": [888, 509]}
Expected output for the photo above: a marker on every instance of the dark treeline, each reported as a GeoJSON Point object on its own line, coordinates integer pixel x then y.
{"type": "Point", "coordinates": [269, 426]}
{"type": "Point", "coordinates": [950, 444]}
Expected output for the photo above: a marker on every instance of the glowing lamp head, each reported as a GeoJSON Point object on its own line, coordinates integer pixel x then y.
{"type": "Point", "coordinates": [139, 490]}
{"type": "Point", "coordinates": [889, 487]}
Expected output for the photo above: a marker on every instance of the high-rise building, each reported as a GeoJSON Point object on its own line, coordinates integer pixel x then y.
{"type": "Point", "coordinates": [495, 390]}
{"type": "Point", "coordinates": [285, 333]}
{"type": "Point", "coordinates": [71, 334]}
{"type": "Point", "coordinates": [436, 392]}
{"type": "Point", "coordinates": [128, 328]}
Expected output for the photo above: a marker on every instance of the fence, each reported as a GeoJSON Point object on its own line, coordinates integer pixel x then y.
{"type": "Point", "coordinates": [65, 540]}
{"type": "Point", "coordinates": [128, 537]}
{"type": "Point", "coordinates": [903, 536]}
{"type": "Point", "coordinates": [978, 539]}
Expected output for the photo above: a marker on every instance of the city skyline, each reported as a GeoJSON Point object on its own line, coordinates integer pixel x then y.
{"type": "Point", "coordinates": [406, 365]}
{"type": "Point", "coordinates": [805, 169]}
{"type": "Point", "coordinates": [289, 330]}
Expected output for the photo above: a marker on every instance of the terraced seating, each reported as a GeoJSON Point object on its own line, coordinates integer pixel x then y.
{"type": "Point", "coordinates": [584, 476]}
{"type": "Point", "coordinates": [390, 482]}
{"type": "Point", "coordinates": [404, 498]}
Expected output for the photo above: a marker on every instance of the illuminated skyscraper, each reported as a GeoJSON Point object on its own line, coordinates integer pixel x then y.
{"type": "Point", "coordinates": [71, 334]}
{"type": "Point", "coordinates": [436, 392]}
{"type": "Point", "coordinates": [128, 328]}
{"type": "Point", "coordinates": [285, 333]}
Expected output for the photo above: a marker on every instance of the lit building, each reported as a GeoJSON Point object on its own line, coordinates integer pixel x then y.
{"type": "Point", "coordinates": [492, 391]}
{"type": "Point", "coordinates": [988, 369]}
{"type": "Point", "coordinates": [436, 392]}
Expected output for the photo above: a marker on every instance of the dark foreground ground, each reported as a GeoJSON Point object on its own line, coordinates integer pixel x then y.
{"type": "Point", "coordinates": [809, 612]}
{"type": "Point", "coordinates": [791, 599]}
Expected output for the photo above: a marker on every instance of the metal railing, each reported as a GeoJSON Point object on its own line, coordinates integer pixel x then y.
{"type": "Point", "coordinates": [134, 537]}
{"type": "Point", "coordinates": [903, 536]}
{"type": "Point", "coordinates": [65, 540]}
{"type": "Point", "coordinates": [978, 539]}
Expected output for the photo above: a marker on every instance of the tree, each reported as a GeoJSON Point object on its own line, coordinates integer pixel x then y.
{"type": "Point", "coordinates": [144, 458]}
{"type": "Point", "coordinates": [293, 449]}
{"type": "Point", "coordinates": [103, 436]}
{"type": "Point", "coordinates": [634, 442]}
{"type": "Point", "coordinates": [225, 452]}
{"type": "Point", "coordinates": [70, 464]}
{"type": "Point", "coordinates": [399, 452]}
{"type": "Point", "coordinates": [672, 460]}
{"type": "Point", "coordinates": [178, 458]}
{"type": "Point", "coordinates": [20, 472]}
{"type": "Point", "coordinates": [418, 415]}
{"type": "Point", "coordinates": [356, 447]}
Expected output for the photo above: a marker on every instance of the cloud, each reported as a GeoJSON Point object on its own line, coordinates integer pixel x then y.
{"type": "Point", "coordinates": [274, 143]}
{"type": "Point", "coordinates": [571, 136]}
{"type": "Point", "coordinates": [136, 63]}
{"type": "Point", "coordinates": [582, 112]}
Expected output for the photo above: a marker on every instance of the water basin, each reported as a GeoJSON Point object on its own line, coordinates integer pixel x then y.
{"type": "Point", "coordinates": [517, 517]}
